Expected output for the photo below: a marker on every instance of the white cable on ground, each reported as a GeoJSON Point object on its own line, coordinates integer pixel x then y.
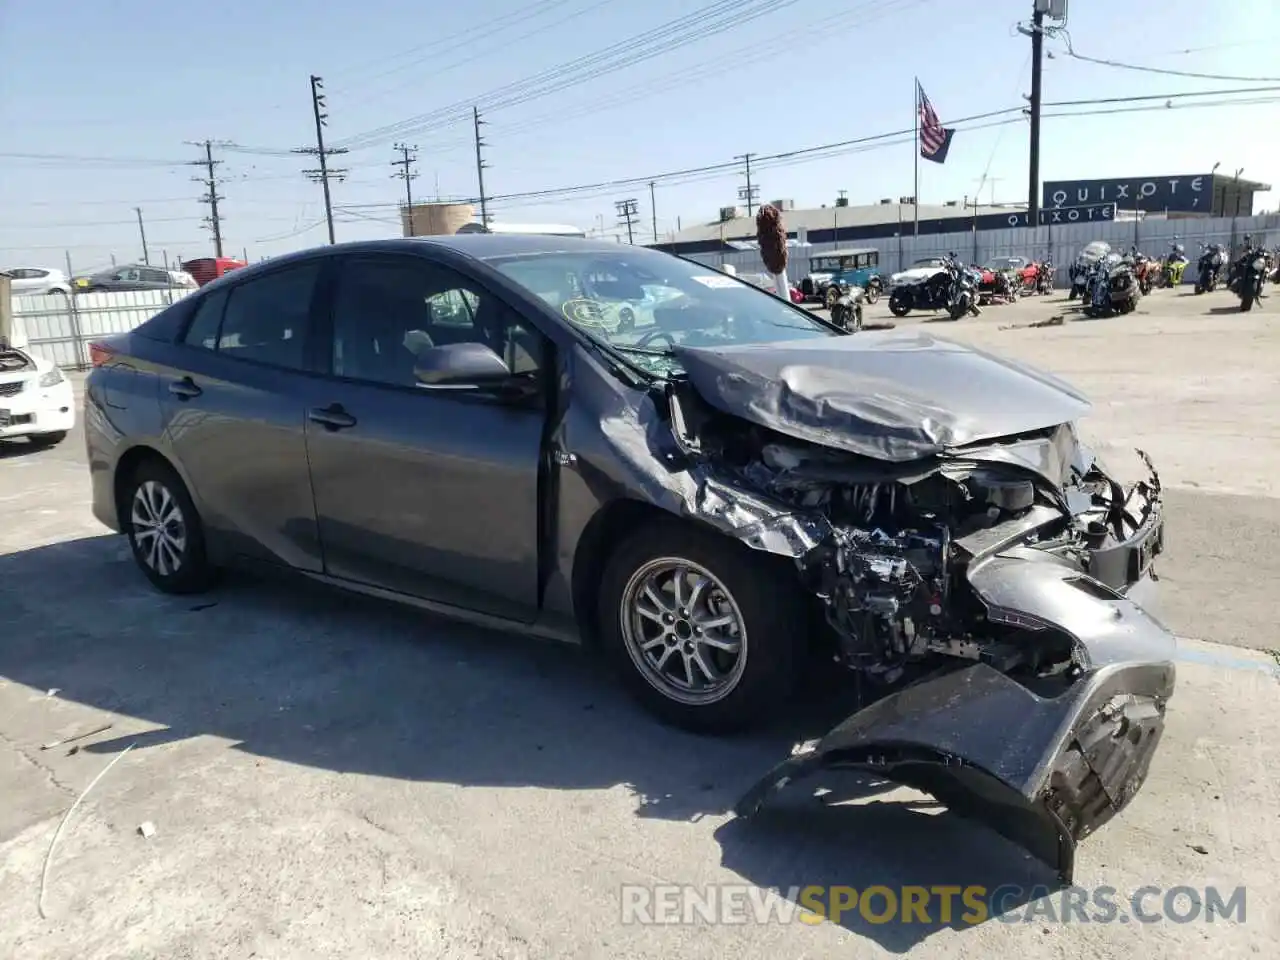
{"type": "Point", "coordinates": [48, 859]}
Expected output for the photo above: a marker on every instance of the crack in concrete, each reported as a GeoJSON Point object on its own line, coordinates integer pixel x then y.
{"type": "Point", "coordinates": [44, 768]}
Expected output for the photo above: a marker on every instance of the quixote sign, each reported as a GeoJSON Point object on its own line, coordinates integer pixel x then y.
{"type": "Point", "coordinates": [1188, 193]}
{"type": "Point", "coordinates": [1089, 213]}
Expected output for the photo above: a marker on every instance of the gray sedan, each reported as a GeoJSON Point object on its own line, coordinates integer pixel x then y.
{"type": "Point", "coordinates": [709, 498]}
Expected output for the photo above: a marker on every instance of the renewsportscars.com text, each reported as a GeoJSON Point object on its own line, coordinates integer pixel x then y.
{"type": "Point", "coordinates": [673, 904]}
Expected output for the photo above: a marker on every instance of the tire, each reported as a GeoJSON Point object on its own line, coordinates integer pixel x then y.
{"type": "Point", "coordinates": [831, 295]}
{"type": "Point", "coordinates": [155, 489]}
{"type": "Point", "coordinates": [47, 439]}
{"type": "Point", "coordinates": [771, 618]}
{"type": "Point", "coordinates": [899, 303]}
{"type": "Point", "coordinates": [873, 292]}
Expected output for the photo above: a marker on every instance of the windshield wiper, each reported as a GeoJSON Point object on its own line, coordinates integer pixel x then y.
{"type": "Point", "coordinates": [642, 351]}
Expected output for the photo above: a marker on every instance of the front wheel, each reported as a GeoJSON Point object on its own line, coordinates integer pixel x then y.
{"type": "Point", "coordinates": [701, 629]}
{"type": "Point", "coordinates": [164, 530]}
{"type": "Point", "coordinates": [899, 303]}
{"type": "Point", "coordinates": [873, 292]}
{"type": "Point", "coordinates": [832, 296]}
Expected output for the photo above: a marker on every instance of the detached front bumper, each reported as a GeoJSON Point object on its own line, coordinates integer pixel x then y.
{"type": "Point", "coordinates": [1043, 771]}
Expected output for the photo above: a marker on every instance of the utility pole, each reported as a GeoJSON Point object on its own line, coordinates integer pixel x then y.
{"type": "Point", "coordinates": [748, 193]}
{"type": "Point", "coordinates": [323, 174]}
{"type": "Point", "coordinates": [408, 156]}
{"type": "Point", "coordinates": [480, 166]}
{"type": "Point", "coordinates": [146, 257]}
{"type": "Point", "coordinates": [653, 210]}
{"type": "Point", "coordinates": [1037, 57]}
{"type": "Point", "coordinates": [628, 213]}
{"type": "Point", "coordinates": [210, 182]}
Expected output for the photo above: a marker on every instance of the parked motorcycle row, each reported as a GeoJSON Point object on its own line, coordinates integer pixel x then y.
{"type": "Point", "coordinates": [1108, 283]}
{"type": "Point", "coordinates": [949, 285]}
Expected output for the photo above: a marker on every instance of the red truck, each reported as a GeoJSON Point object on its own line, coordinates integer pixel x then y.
{"type": "Point", "coordinates": [207, 269]}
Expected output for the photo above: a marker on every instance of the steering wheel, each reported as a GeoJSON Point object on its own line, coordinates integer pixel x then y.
{"type": "Point", "coordinates": [653, 335]}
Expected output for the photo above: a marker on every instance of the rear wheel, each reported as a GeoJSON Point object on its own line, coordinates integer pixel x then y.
{"type": "Point", "coordinates": [873, 291]}
{"type": "Point", "coordinates": [164, 530]}
{"type": "Point", "coordinates": [700, 628]}
{"type": "Point", "coordinates": [832, 294]}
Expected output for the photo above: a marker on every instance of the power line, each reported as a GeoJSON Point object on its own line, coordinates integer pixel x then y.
{"type": "Point", "coordinates": [707, 21]}
{"type": "Point", "coordinates": [1071, 52]}
{"type": "Point", "coordinates": [731, 61]}
{"type": "Point", "coordinates": [487, 48]}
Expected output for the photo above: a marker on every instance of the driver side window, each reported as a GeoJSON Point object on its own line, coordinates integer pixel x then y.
{"type": "Point", "coordinates": [387, 310]}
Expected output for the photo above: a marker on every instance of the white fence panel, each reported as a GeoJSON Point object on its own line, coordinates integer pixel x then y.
{"type": "Point", "coordinates": [59, 328]}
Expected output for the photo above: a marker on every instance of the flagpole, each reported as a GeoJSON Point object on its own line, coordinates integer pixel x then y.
{"type": "Point", "coordinates": [915, 197]}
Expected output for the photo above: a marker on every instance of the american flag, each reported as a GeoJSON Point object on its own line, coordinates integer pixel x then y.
{"type": "Point", "coordinates": [935, 139]}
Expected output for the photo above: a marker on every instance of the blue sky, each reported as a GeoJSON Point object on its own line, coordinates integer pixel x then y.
{"type": "Point", "coordinates": [107, 94]}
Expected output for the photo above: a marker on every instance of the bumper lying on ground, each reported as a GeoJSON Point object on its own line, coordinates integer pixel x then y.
{"type": "Point", "coordinates": [1043, 771]}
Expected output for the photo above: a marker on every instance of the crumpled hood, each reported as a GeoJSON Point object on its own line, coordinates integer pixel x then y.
{"type": "Point", "coordinates": [894, 395]}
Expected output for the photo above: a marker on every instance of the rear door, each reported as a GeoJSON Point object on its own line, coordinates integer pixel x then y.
{"type": "Point", "coordinates": [432, 493]}
{"type": "Point", "coordinates": [235, 408]}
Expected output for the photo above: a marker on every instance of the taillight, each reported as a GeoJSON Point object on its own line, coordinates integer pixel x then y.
{"type": "Point", "coordinates": [100, 354]}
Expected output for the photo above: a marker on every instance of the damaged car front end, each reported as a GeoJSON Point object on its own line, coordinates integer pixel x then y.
{"type": "Point", "coordinates": [971, 558]}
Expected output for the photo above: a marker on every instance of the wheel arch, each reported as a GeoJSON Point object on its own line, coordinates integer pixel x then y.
{"type": "Point", "coordinates": [612, 524]}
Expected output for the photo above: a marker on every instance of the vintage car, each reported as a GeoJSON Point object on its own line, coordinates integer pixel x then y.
{"type": "Point", "coordinates": [921, 269]}
{"type": "Point", "coordinates": [831, 275]}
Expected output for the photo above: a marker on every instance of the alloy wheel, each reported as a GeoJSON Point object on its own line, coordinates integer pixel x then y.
{"type": "Point", "coordinates": [683, 631]}
{"type": "Point", "coordinates": [159, 528]}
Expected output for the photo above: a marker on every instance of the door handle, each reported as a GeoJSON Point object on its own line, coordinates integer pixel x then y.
{"type": "Point", "coordinates": [332, 417]}
{"type": "Point", "coordinates": [184, 389]}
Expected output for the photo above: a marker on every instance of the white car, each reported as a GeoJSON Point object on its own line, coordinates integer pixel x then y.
{"type": "Point", "coordinates": [36, 400]}
{"type": "Point", "coordinates": [34, 281]}
{"type": "Point", "coordinates": [920, 270]}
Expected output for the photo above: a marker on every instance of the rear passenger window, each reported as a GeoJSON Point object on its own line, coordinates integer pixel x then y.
{"type": "Point", "coordinates": [203, 331]}
{"type": "Point", "coordinates": [266, 319]}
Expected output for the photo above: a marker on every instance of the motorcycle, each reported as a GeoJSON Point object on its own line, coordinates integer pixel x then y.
{"type": "Point", "coordinates": [1144, 269]}
{"type": "Point", "coordinates": [952, 287]}
{"type": "Point", "coordinates": [846, 311]}
{"type": "Point", "coordinates": [1085, 263]}
{"type": "Point", "coordinates": [1212, 260]}
{"type": "Point", "coordinates": [1044, 277]}
{"type": "Point", "coordinates": [996, 286]}
{"type": "Point", "coordinates": [1247, 275]}
{"type": "Point", "coordinates": [1175, 262]}
{"type": "Point", "coordinates": [1112, 288]}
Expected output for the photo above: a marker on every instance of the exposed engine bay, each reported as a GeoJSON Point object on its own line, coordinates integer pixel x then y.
{"type": "Point", "coordinates": [890, 543]}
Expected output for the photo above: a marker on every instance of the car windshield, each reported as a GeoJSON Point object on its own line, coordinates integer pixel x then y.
{"type": "Point", "coordinates": [643, 303]}
{"type": "Point", "coordinates": [928, 262]}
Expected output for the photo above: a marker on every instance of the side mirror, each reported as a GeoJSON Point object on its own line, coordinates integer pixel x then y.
{"type": "Point", "coordinates": [460, 366]}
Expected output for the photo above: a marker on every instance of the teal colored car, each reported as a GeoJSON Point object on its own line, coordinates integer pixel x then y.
{"type": "Point", "coordinates": [833, 274]}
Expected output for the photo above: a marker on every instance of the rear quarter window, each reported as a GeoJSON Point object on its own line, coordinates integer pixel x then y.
{"type": "Point", "coordinates": [167, 325]}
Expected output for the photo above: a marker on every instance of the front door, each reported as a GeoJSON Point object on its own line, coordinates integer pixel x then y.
{"type": "Point", "coordinates": [432, 493]}
{"type": "Point", "coordinates": [235, 403]}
